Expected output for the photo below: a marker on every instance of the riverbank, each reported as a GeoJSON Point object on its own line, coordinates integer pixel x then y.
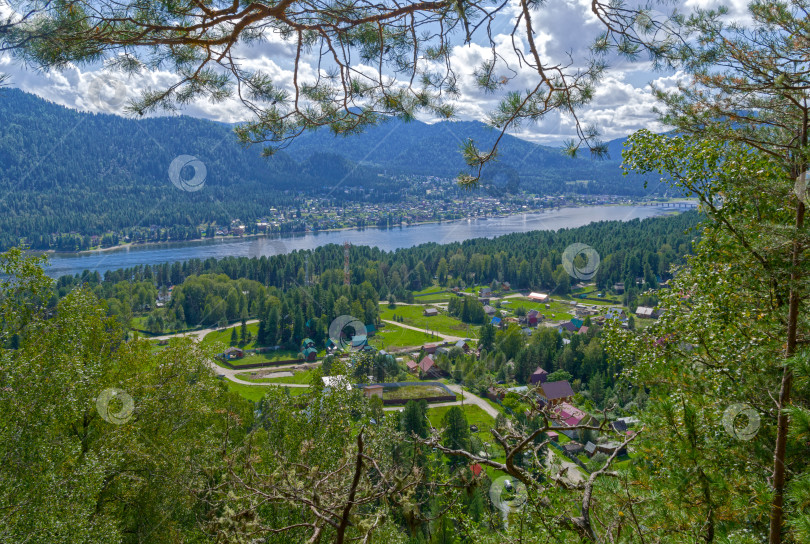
{"type": "Point", "coordinates": [298, 234]}
{"type": "Point", "coordinates": [388, 239]}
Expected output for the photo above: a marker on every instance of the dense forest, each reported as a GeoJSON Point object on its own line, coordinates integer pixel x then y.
{"type": "Point", "coordinates": [637, 253]}
{"type": "Point", "coordinates": [110, 177]}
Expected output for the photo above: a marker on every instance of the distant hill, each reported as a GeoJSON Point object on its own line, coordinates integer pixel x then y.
{"type": "Point", "coordinates": [434, 149]}
{"type": "Point", "coordinates": [68, 171]}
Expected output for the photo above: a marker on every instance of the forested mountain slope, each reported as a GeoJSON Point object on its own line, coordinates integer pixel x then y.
{"type": "Point", "coordinates": [65, 171]}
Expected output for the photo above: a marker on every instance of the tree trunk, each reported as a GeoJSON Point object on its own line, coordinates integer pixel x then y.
{"type": "Point", "coordinates": [777, 505]}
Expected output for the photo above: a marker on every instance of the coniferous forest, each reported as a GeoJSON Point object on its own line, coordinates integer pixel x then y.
{"type": "Point", "coordinates": [640, 382]}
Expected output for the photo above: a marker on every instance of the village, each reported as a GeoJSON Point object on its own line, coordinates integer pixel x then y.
{"type": "Point", "coordinates": [403, 369]}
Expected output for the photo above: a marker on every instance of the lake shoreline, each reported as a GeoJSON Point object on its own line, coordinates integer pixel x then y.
{"type": "Point", "coordinates": [384, 239]}
{"type": "Point", "coordinates": [132, 245]}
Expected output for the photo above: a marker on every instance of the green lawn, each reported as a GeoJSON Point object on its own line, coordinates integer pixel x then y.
{"type": "Point", "coordinates": [434, 293]}
{"type": "Point", "coordinates": [558, 311]}
{"type": "Point", "coordinates": [302, 378]}
{"type": "Point", "coordinates": [432, 289]}
{"type": "Point", "coordinates": [269, 357]}
{"type": "Point", "coordinates": [413, 392]}
{"type": "Point", "coordinates": [475, 416]}
{"type": "Point", "coordinates": [607, 300]}
{"type": "Point", "coordinates": [442, 323]}
{"type": "Point", "coordinates": [255, 393]}
{"type": "Point", "coordinates": [224, 336]}
{"type": "Point", "coordinates": [396, 337]}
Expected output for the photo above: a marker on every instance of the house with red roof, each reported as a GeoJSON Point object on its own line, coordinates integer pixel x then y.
{"type": "Point", "coordinates": [428, 367]}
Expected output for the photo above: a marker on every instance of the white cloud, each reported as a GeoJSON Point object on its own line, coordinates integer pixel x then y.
{"type": "Point", "coordinates": [622, 104]}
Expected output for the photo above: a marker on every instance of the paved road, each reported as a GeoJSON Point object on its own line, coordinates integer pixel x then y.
{"type": "Point", "coordinates": [445, 337]}
{"type": "Point", "coordinates": [569, 471]}
{"type": "Point", "coordinates": [469, 398]}
{"type": "Point", "coordinates": [199, 335]}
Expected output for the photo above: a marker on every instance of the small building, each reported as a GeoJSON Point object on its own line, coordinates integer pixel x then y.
{"type": "Point", "coordinates": [577, 323]}
{"type": "Point", "coordinates": [428, 367]}
{"type": "Point", "coordinates": [614, 312]}
{"type": "Point", "coordinates": [538, 376]}
{"type": "Point", "coordinates": [533, 317]}
{"type": "Point", "coordinates": [618, 287]}
{"type": "Point", "coordinates": [506, 286]}
{"type": "Point", "coordinates": [538, 297]}
{"type": "Point", "coordinates": [496, 321]}
{"type": "Point", "coordinates": [619, 426]}
{"type": "Point", "coordinates": [590, 449]}
{"type": "Point", "coordinates": [413, 366]}
{"type": "Point", "coordinates": [573, 448]}
{"type": "Point", "coordinates": [489, 310]}
{"type": "Point", "coordinates": [463, 346]}
{"type": "Point", "coordinates": [232, 353]}
{"type": "Point", "coordinates": [556, 392]}
{"type": "Point", "coordinates": [371, 330]}
{"type": "Point", "coordinates": [307, 343]}
{"type": "Point", "coordinates": [430, 312]}
{"type": "Point", "coordinates": [646, 312]}
{"type": "Point", "coordinates": [373, 390]}
{"type": "Point", "coordinates": [570, 415]}
{"type": "Point", "coordinates": [494, 395]}
{"type": "Point", "coordinates": [567, 326]}
{"type": "Point", "coordinates": [310, 354]}
{"type": "Point", "coordinates": [442, 351]}
{"type": "Point", "coordinates": [430, 349]}
{"type": "Point", "coordinates": [584, 329]}
{"type": "Point", "coordinates": [485, 292]}
{"type": "Point", "coordinates": [609, 447]}
{"type": "Point", "coordinates": [554, 437]}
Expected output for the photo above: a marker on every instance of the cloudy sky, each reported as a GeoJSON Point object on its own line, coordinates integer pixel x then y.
{"type": "Point", "coordinates": [623, 102]}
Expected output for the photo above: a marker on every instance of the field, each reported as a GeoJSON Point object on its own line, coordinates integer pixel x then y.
{"type": "Point", "coordinates": [431, 294]}
{"type": "Point", "coordinates": [256, 392]}
{"type": "Point", "coordinates": [269, 357]}
{"type": "Point", "coordinates": [224, 336]}
{"type": "Point", "coordinates": [441, 323]}
{"type": "Point", "coordinates": [302, 378]}
{"type": "Point", "coordinates": [392, 337]}
{"type": "Point", "coordinates": [557, 312]}
{"type": "Point", "coordinates": [413, 392]}
{"type": "Point", "coordinates": [475, 416]}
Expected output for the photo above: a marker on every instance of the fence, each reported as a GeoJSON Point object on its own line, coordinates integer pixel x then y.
{"type": "Point", "coordinates": [449, 397]}
{"type": "Point", "coordinates": [261, 365]}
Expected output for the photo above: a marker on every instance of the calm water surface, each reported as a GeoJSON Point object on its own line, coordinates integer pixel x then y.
{"type": "Point", "coordinates": [386, 239]}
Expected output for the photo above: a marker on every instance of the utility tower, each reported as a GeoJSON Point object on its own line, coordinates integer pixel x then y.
{"type": "Point", "coordinates": [346, 263]}
{"type": "Point", "coordinates": [306, 272]}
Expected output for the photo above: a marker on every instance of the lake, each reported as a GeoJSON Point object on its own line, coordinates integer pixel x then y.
{"type": "Point", "coordinates": [385, 238]}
